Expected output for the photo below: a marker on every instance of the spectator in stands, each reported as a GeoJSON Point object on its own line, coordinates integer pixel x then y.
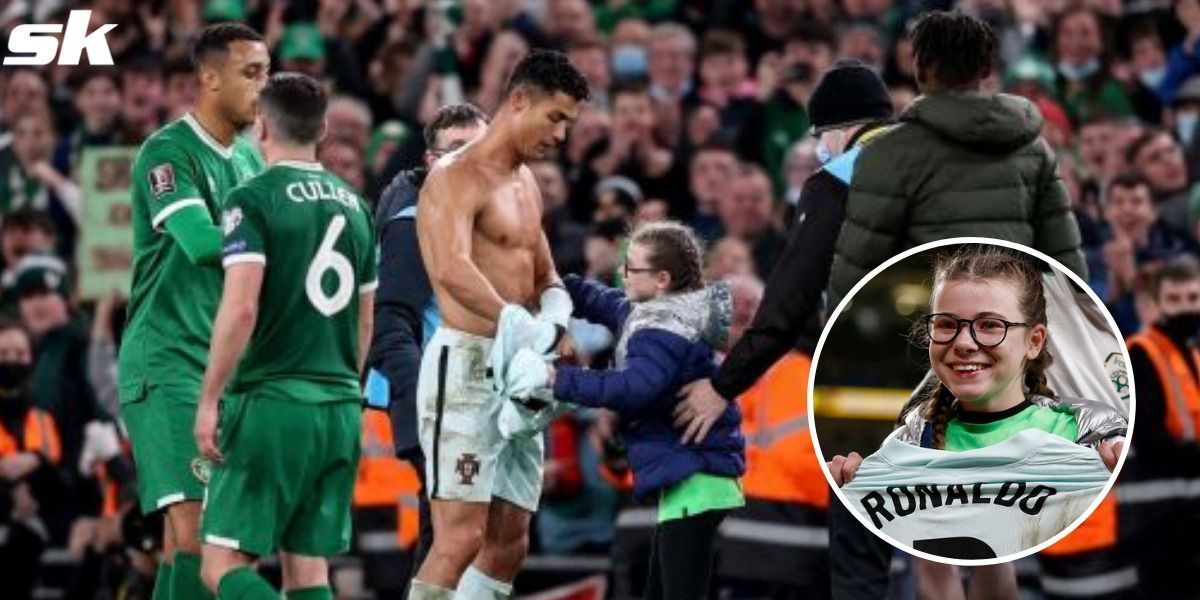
{"type": "Point", "coordinates": [863, 42]}
{"type": "Point", "coordinates": [747, 213]}
{"type": "Point", "coordinates": [27, 180]}
{"type": "Point", "coordinates": [671, 61]}
{"type": "Point", "coordinates": [25, 89]}
{"type": "Point", "coordinates": [349, 120]}
{"type": "Point", "coordinates": [565, 235]}
{"type": "Point", "coordinates": [1135, 235]}
{"type": "Point", "coordinates": [1148, 60]}
{"type": "Point", "coordinates": [632, 148]}
{"type": "Point", "coordinates": [711, 174]}
{"type": "Point", "coordinates": [1082, 51]}
{"type": "Point", "coordinates": [785, 118]}
{"type": "Point", "coordinates": [180, 89]}
{"type": "Point", "coordinates": [617, 199]}
{"type": "Point", "coordinates": [142, 98]}
{"type": "Point", "coordinates": [591, 58]}
{"type": "Point", "coordinates": [60, 375]}
{"type": "Point", "coordinates": [31, 489]}
{"type": "Point", "coordinates": [569, 20]}
{"type": "Point", "coordinates": [603, 250]}
{"type": "Point", "coordinates": [727, 258]}
{"type": "Point", "coordinates": [23, 232]}
{"type": "Point", "coordinates": [98, 100]}
{"type": "Point", "coordinates": [1157, 157]}
{"type": "Point", "coordinates": [578, 506]}
{"type": "Point", "coordinates": [302, 50]}
{"type": "Point", "coordinates": [345, 161]}
{"type": "Point", "coordinates": [726, 84]}
{"type": "Point", "coordinates": [1183, 60]}
{"type": "Point", "coordinates": [1184, 118]}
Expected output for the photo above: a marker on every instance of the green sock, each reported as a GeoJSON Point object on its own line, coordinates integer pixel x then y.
{"type": "Point", "coordinates": [162, 583]}
{"type": "Point", "coordinates": [322, 592]}
{"type": "Point", "coordinates": [243, 583]}
{"type": "Point", "coordinates": [185, 578]}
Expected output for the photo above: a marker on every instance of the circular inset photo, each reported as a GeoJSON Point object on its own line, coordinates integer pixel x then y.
{"type": "Point", "coordinates": [971, 401]}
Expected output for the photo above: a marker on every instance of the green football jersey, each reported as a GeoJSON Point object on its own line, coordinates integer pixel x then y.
{"type": "Point", "coordinates": [172, 302]}
{"type": "Point", "coordinates": [315, 238]}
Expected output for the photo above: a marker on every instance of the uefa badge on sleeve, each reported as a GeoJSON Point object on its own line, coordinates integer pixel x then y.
{"type": "Point", "coordinates": [162, 180]}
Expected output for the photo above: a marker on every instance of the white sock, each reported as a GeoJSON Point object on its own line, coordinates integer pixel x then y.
{"type": "Point", "coordinates": [475, 585]}
{"type": "Point", "coordinates": [419, 590]}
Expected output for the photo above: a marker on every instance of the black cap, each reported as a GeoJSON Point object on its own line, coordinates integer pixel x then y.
{"type": "Point", "coordinates": [847, 94]}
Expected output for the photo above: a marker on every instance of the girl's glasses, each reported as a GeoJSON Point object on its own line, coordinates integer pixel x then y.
{"type": "Point", "coordinates": [986, 331]}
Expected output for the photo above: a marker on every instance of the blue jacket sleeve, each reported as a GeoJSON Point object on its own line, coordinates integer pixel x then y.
{"type": "Point", "coordinates": [403, 296]}
{"type": "Point", "coordinates": [654, 363]}
{"type": "Point", "coordinates": [597, 303]}
{"type": "Point", "coordinates": [1180, 66]}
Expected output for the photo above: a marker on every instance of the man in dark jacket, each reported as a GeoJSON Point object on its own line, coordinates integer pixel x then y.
{"type": "Point", "coordinates": [850, 108]}
{"type": "Point", "coordinates": [405, 309]}
{"type": "Point", "coordinates": [961, 162]}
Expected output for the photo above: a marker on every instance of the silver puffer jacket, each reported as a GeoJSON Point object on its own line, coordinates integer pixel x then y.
{"type": "Point", "coordinates": [701, 315]}
{"type": "Point", "coordinates": [1097, 421]}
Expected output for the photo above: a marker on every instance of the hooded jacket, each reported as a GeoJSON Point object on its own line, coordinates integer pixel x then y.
{"type": "Point", "coordinates": [957, 164]}
{"type": "Point", "coordinates": [662, 344]}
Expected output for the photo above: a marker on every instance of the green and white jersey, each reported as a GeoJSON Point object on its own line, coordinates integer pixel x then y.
{"type": "Point", "coordinates": [314, 236]}
{"type": "Point", "coordinates": [172, 302]}
{"type": "Point", "coordinates": [975, 504]}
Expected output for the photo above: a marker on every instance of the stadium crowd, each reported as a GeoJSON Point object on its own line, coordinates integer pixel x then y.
{"type": "Point", "coordinates": [698, 114]}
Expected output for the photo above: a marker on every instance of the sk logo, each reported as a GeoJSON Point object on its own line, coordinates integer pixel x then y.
{"type": "Point", "coordinates": [467, 468]}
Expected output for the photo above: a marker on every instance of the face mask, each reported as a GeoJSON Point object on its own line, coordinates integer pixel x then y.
{"type": "Point", "coordinates": [1078, 72]}
{"type": "Point", "coordinates": [1153, 77]}
{"type": "Point", "coordinates": [823, 153]}
{"type": "Point", "coordinates": [1185, 126]}
{"type": "Point", "coordinates": [13, 377]}
{"type": "Point", "coordinates": [792, 196]}
{"type": "Point", "coordinates": [1181, 326]}
{"type": "Point", "coordinates": [629, 61]}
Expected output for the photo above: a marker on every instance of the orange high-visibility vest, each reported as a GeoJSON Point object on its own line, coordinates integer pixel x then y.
{"type": "Point", "coordinates": [1097, 532]}
{"type": "Point", "coordinates": [781, 464]}
{"type": "Point", "coordinates": [40, 435]}
{"type": "Point", "coordinates": [384, 480]}
{"type": "Point", "coordinates": [1180, 388]}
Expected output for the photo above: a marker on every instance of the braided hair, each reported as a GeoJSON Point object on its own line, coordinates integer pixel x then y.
{"type": "Point", "coordinates": [975, 262]}
{"type": "Point", "coordinates": [956, 49]}
{"type": "Point", "coordinates": [675, 249]}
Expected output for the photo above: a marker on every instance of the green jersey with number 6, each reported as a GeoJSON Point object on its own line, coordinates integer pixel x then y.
{"type": "Point", "coordinates": [315, 239]}
{"type": "Point", "coordinates": [173, 302]}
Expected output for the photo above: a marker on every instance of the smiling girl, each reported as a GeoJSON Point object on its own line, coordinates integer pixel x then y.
{"type": "Point", "coordinates": [986, 336]}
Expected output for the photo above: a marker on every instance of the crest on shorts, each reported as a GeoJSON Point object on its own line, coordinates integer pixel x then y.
{"type": "Point", "coordinates": [467, 468]}
{"type": "Point", "coordinates": [162, 180]}
{"type": "Point", "coordinates": [201, 469]}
